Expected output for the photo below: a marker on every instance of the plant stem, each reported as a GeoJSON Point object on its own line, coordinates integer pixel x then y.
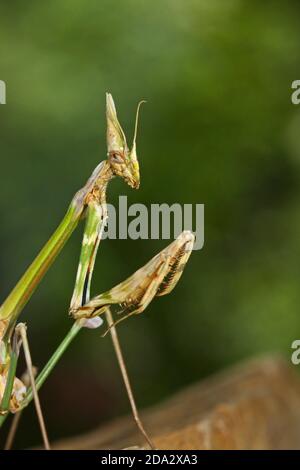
{"type": "Point", "coordinates": [47, 369]}
{"type": "Point", "coordinates": [53, 361]}
{"type": "Point", "coordinates": [44, 373]}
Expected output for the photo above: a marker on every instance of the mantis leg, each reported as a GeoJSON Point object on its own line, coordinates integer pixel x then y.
{"type": "Point", "coordinates": [148, 296]}
{"type": "Point", "coordinates": [95, 222]}
{"type": "Point", "coordinates": [13, 361]}
{"type": "Point", "coordinates": [20, 337]}
{"type": "Point", "coordinates": [112, 325]}
{"type": "Point", "coordinates": [119, 354]}
{"type": "Point", "coordinates": [12, 431]}
{"type": "Point", "coordinates": [17, 416]}
{"type": "Point", "coordinates": [21, 329]}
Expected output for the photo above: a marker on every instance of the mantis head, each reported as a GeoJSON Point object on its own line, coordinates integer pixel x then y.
{"type": "Point", "coordinates": [123, 161]}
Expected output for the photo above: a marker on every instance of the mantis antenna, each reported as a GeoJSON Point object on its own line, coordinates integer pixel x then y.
{"type": "Point", "coordinates": [136, 123]}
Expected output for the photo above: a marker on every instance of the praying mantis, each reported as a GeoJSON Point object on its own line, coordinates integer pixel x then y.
{"type": "Point", "coordinates": [158, 277]}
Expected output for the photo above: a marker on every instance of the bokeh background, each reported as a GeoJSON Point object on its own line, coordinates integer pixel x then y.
{"type": "Point", "coordinates": [219, 128]}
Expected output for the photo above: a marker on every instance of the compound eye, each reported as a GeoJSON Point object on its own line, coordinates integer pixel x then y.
{"type": "Point", "coordinates": [116, 158]}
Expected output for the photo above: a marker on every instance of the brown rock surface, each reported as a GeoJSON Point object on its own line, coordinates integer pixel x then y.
{"type": "Point", "coordinates": [255, 405]}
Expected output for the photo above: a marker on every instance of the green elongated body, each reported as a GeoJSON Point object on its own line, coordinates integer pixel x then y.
{"type": "Point", "coordinates": [22, 292]}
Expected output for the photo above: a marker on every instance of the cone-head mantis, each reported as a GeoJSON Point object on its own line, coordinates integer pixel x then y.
{"type": "Point", "coordinates": [88, 200]}
{"type": "Point", "coordinates": [158, 277]}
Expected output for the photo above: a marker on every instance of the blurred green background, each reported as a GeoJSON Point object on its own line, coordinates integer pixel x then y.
{"type": "Point", "coordinates": [219, 128]}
